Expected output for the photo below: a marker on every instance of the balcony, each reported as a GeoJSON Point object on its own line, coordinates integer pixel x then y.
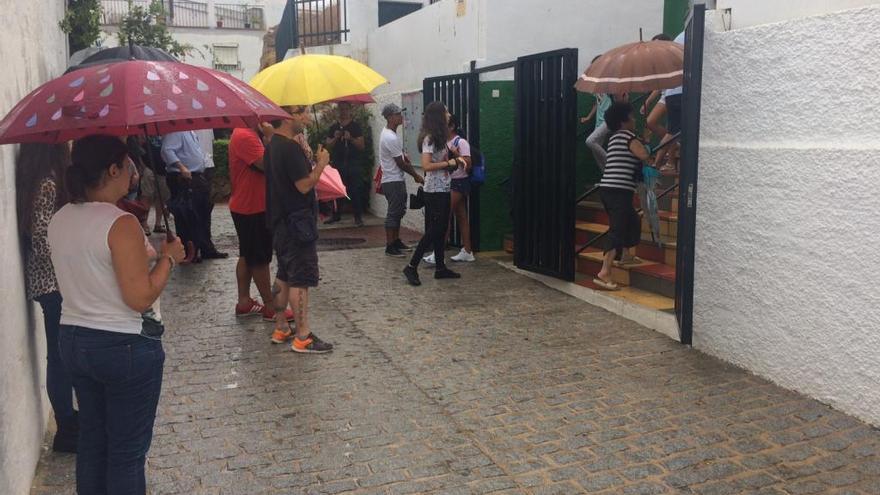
{"type": "Point", "coordinates": [189, 14]}
{"type": "Point", "coordinates": [321, 22]}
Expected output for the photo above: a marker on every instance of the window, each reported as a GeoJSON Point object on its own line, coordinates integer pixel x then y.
{"type": "Point", "coordinates": [226, 57]}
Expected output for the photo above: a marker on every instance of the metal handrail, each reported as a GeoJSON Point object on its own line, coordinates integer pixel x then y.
{"type": "Point", "coordinates": [638, 212]}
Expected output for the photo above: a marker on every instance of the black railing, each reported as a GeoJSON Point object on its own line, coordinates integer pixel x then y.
{"type": "Point", "coordinates": [177, 13]}
{"type": "Point", "coordinates": [596, 239]}
{"type": "Point", "coordinates": [322, 22]}
{"type": "Point", "coordinates": [238, 16]}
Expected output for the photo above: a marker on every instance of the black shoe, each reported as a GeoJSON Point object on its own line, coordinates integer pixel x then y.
{"type": "Point", "coordinates": [393, 251]}
{"type": "Point", "coordinates": [66, 437]}
{"type": "Point", "coordinates": [412, 276]}
{"type": "Point", "coordinates": [446, 273]}
{"type": "Point", "coordinates": [311, 345]}
{"type": "Point", "coordinates": [215, 255]}
{"type": "Point", "coordinates": [401, 246]}
{"type": "Point", "coordinates": [333, 220]}
{"type": "Point", "coordinates": [358, 222]}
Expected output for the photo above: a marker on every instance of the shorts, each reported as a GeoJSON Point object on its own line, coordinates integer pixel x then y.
{"type": "Point", "coordinates": [673, 114]}
{"type": "Point", "coordinates": [395, 194]}
{"type": "Point", "coordinates": [148, 186]}
{"type": "Point", "coordinates": [254, 238]}
{"type": "Point", "coordinates": [297, 263]}
{"type": "Point", "coordinates": [462, 186]}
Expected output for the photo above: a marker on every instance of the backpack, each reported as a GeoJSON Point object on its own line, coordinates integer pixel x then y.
{"type": "Point", "coordinates": [478, 163]}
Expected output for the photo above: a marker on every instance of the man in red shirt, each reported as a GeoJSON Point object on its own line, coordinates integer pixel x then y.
{"type": "Point", "coordinates": [248, 207]}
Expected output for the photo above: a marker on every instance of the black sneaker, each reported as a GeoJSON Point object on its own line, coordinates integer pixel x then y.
{"type": "Point", "coordinates": [333, 220]}
{"type": "Point", "coordinates": [215, 255]}
{"type": "Point", "coordinates": [446, 273]}
{"type": "Point", "coordinates": [412, 276]}
{"type": "Point", "coordinates": [358, 222]}
{"type": "Point", "coordinates": [393, 251]}
{"type": "Point", "coordinates": [401, 246]}
{"type": "Point", "coordinates": [311, 345]}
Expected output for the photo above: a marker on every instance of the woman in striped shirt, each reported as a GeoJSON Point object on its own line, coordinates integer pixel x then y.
{"type": "Point", "coordinates": [619, 181]}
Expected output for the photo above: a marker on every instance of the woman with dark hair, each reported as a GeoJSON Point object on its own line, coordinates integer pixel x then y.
{"type": "Point", "coordinates": [110, 327]}
{"type": "Point", "coordinates": [438, 168]}
{"type": "Point", "coordinates": [616, 189]}
{"type": "Point", "coordinates": [39, 186]}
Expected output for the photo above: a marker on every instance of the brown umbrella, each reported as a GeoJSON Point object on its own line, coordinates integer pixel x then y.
{"type": "Point", "coordinates": [637, 67]}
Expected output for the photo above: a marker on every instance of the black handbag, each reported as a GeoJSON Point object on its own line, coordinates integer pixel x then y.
{"type": "Point", "coordinates": [417, 200]}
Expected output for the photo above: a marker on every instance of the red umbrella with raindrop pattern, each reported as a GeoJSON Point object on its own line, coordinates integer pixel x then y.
{"type": "Point", "coordinates": [135, 97]}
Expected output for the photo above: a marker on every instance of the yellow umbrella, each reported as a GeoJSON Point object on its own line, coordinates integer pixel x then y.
{"type": "Point", "coordinates": [311, 79]}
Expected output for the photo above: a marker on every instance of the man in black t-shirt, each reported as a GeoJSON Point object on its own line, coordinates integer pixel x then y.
{"type": "Point", "coordinates": [291, 207]}
{"type": "Point", "coordinates": [345, 140]}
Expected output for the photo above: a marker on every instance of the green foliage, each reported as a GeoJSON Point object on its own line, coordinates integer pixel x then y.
{"type": "Point", "coordinates": [147, 27]}
{"type": "Point", "coordinates": [221, 157]}
{"type": "Point", "coordinates": [319, 129]}
{"type": "Point", "coordinates": [82, 23]}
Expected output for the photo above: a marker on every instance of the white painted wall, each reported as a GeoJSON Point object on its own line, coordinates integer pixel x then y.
{"type": "Point", "coordinates": [32, 50]}
{"type": "Point", "coordinates": [787, 221]}
{"type": "Point", "coordinates": [745, 13]}
{"type": "Point", "coordinates": [436, 41]}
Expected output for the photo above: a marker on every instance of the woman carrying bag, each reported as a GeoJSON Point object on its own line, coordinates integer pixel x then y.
{"type": "Point", "coordinates": [438, 169]}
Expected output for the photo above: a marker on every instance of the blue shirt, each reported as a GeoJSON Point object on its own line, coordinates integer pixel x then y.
{"type": "Point", "coordinates": [183, 147]}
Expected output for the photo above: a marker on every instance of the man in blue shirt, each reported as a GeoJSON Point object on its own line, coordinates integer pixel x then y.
{"type": "Point", "coordinates": [185, 163]}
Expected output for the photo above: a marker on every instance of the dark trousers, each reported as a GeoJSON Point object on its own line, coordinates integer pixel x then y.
{"type": "Point", "coordinates": [59, 385]}
{"type": "Point", "coordinates": [436, 221]}
{"type": "Point", "coordinates": [354, 186]}
{"type": "Point", "coordinates": [197, 227]}
{"type": "Point", "coordinates": [209, 184]}
{"type": "Point", "coordinates": [118, 379]}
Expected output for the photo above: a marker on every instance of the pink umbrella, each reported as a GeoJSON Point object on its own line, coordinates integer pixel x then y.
{"type": "Point", "coordinates": [330, 186]}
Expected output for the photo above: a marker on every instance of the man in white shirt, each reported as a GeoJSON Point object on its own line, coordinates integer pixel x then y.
{"type": "Point", "coordinates": [394, 163]}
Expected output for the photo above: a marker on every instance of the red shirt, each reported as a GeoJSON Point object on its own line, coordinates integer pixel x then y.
{"type": "Point", "coordinates": [248, 185]}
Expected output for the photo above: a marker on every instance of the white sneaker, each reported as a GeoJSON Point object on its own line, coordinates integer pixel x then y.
{"type": "Point", "coordinates": [430, 259]}
{"type": "Point", "coordinates": [464, 256]}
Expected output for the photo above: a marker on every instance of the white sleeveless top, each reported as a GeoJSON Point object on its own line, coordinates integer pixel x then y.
{"type": "Point", "coordinates": [91, 297]}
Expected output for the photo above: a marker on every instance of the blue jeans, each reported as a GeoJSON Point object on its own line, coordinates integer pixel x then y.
{"type": "Point", "coordinates": [59, 386]}
{"type": "Point", "coordinates": [118, 379]}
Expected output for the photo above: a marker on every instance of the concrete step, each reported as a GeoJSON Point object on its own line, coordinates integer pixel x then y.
{"type": "Point", "coordinates": [650, 276]}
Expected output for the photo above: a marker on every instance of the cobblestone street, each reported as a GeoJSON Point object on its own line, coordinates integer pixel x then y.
{"type": "Point", "coordinates": [490, 384]}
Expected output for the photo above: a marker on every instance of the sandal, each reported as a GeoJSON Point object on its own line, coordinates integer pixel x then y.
{"type": "Point", "coordinates": [605, 285]}
{"type": "Point", "coordinates": [635, 260]}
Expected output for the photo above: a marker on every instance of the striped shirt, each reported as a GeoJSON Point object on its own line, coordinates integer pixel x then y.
{"type": "Point", "coordinates": [622, 164]}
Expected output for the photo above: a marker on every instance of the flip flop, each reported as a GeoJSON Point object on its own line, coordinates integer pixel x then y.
{"type": "Point", "coordinates": [606, 285]}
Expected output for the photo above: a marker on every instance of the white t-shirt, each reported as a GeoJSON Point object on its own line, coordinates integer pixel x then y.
{"type": "Point", "coordinates": [390, 147]}
{"type": "Point", "coordinates": [436, 180]}
{"type": "Point", "coordinates": [463, 149]}
{"type": "Point", "coordinates": [677, 90]}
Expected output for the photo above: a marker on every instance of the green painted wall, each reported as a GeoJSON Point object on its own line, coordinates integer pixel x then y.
{"type": "Point", "coordinates": [496, 142]}
{"type": "Point", "coordinates": [674, 13]}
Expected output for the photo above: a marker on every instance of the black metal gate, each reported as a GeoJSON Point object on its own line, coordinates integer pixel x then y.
{"type": "Point", "coordinates": [544, 163]}
{"type": "Point", "coordinates": [461, 95]}
{"type": "Point", "coordinates": [687, 191]}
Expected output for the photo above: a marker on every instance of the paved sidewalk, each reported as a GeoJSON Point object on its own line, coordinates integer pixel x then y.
{"type": "Point", "coordinates": [491, 384]}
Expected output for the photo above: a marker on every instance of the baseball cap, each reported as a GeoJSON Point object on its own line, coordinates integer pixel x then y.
{"type": "Point", "coordinates": [391, 109]}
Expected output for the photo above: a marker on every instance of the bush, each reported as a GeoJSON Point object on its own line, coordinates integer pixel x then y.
{"type": "Point", "coordinates": [221, 187]}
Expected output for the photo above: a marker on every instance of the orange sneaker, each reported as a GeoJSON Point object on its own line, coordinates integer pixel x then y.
{"type": "Point", "coordinates": [280, 336]}
{"type": "Point", "coordinates": [311, 345]}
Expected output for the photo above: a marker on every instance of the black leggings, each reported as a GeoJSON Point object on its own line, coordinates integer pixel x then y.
{"type": "Point", "coordinates": [436, 222]}
{"type": "Point", "coordinates": [625, 229]}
